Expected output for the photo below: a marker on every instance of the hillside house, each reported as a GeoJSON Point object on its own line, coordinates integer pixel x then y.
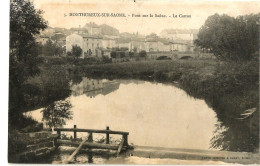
{"type": "Point", "coordinates": [93, 29]}
{"type": "Point", "coordinates": [42, 39]}
{"type": "Point", "coordinates": [180, 34]}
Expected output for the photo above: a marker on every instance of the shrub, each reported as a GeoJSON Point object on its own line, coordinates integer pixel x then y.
{"type": "Point", "coordinates": [142, 53]}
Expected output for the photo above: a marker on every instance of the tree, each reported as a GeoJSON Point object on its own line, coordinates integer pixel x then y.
{"type": "Point", "coordinates": [48, 48]}
{"type": "Point", "coordinates": [52, 49]}
{"type": "Point", "coordinates": [25, 23]}
{"type": "Point", "coordinates": [152, 36]}
{"type": "Point", "coordinates": [76, 51]}
{"type": "Point", "coordinates": [142, 53]}
{"type": "Point", "coordinates": [56, 114]}
{"type": "Point", "coordinates": [230, 38]}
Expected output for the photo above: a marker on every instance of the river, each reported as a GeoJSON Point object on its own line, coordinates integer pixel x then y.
{"type": "Point", "coordinates": [154, 114]}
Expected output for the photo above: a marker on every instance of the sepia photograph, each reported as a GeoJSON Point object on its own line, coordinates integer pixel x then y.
{"type": "Point", "coordinates": [133, 82]}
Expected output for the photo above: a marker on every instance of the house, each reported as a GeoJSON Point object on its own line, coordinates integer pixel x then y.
{"type": "Point", "coordinates": [74, 39]}
{"type": "Point", "coordinates": [93, 29]}
{"type": "Point", "coordinates": [180, 46]}
{"type": "Point", "coordinates": [137, 44]}
{"type": "Point", "coordinates": [180, 34]}
{"type": "Point", "coordinates": [108, 42]}
{"type": "Point", "coordinates": [91, 44]}
{"type": "Point", "coordinates": [62, 41]}
{"type": "Point", "coordinates": [88, 43]}
{"type": "Point", "coordinates": [79, 30]}
{"type": "Point", "coordinates": [42, 39]}
{"type": "Point", "coordinates": [87, 86]}
{"type": "Point", "coordinates": [123, 43]}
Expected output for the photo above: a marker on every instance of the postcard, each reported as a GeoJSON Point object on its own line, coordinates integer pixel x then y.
{"type": "Point", "coordinates": [133, 82]}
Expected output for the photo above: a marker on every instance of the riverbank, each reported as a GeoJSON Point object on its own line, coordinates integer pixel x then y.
{"type": "Point", "coordinates": [228, 88]}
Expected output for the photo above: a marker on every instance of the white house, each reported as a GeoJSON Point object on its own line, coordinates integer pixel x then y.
{"type": "Point", "coordinates": [75, 39]}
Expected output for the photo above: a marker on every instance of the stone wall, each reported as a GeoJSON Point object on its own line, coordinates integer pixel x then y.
{"type": "Point", "coordinates": [38, 146]}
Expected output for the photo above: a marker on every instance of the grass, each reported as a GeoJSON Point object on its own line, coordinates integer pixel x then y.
{"type": "Point", "coordinates": [146, 69]}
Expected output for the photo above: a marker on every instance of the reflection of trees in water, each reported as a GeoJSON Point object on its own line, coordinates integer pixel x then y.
{"type": "Point", "coordinates": [55, 84]}
{"type": "Point", "coordinates": [237, 137]}
{"type": "Point", "coordinates": [75, 76]}
{"type": "Point", "coordinates": [50, 85]}
{"type": "Point", "coordinates": [57, 113]}
{"type": "Point", "coordinates": [234, 134]}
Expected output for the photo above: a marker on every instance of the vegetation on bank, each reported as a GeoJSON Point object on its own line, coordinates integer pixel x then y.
{"type": "Point", "coordinates": [228, 88]}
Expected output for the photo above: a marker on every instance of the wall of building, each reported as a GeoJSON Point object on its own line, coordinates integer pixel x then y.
{"type": "Point", "coordinates": [108, 43]}
{"type": "Point", "coordinates": [75, 39]}
{"type": "Point", "coordinates": [91, 44]}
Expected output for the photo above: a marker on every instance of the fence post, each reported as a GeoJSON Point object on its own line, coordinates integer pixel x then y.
{"type": "Point", "coordinates": [75, 133]}
{"type": "Point", "coordinates": [90, 137]}
{"type": "Point", "coordinates": [125, 139]}
{"type": "Point", "coordinates": [107, 136]}
{"type": "Point", "coordinates": [59, 134]}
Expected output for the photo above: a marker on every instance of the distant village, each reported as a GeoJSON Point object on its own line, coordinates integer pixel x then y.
{"type": "Point", "coordinates": [100, 40]}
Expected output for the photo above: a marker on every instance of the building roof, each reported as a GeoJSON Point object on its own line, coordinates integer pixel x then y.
{"type": "Point", "coordinates": [181, 31]}
{"type": "Point", "coordinates": [91, 36]}
{"type": "Point", "coordinates": [78, 29]}
{"type": "Point", "coordinates": [92, 25]}
{"type": "Point", "coordinates": [123, 40]}
{"type": "Point", "coordinates": [44, 36]}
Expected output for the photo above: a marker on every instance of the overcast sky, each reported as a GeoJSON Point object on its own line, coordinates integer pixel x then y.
{"type": "Point", "coordinates": [199, 11]}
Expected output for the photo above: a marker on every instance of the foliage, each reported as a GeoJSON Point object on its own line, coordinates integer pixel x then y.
{"type": "Point", "coordinates": [52, 49]}
{"type": "Point", "coordinates": [55, 84]}
{"type": "Point", "coordinates": [113, 54]}
{"type": "Point", "coordinates": [105, 59]}
{"type": "Point", "coordinates": [142, 53]}
{"type": "Point", "coordinates": [15, 145]}
{"type": "Point", "coordinates": [50, 85]}
{"type": "Point", "coordinates": [230, 90]}
{"type": "Point", "coordinates": [57, 113]}
{"type": "Point", "coordinates": [122, 54]}
{"type": "Point", "coordinates": [25, 23]}
{"type": "Point", "coordinates": [76, 51]}
{"type": "Point", "coordinates": [230, 38]}
{"type": "Point", "coordinates": [152, 35]}
{"type": "Point", "coordinates": [131, 54]}
{"type": "Point", "coordinates": [69, 53]}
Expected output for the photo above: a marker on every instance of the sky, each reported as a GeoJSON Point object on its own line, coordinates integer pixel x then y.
{"type": "Point", "coordinates": [54, 11]}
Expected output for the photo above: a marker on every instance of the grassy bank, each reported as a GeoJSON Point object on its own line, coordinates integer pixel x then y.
{"type": "Point", "coordinates": [149, 69]}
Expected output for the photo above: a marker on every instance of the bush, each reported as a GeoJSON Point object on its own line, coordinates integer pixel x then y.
{"type": "Point", "coordinates": [186, 57]}
{"type": "Point", "coordinates": [113, 54]}
{"type": "Point", "coordinates": [122, 54]}
{"type": "Point", "coordinates": [15, 145]}
{"type": "Point", "coordinates": [76, 51]}
{"type": "Point", "coordinates": [69, 53]}
{"type": "Point", "coordinates": [163, 58]}
{"type": "Point", "coordinates": [142, 54]}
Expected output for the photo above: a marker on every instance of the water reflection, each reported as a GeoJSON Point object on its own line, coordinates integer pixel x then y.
{"type": "Point", "coordinates": [92, 87]}
{"type": "Point", "coordinates": [155, 114]}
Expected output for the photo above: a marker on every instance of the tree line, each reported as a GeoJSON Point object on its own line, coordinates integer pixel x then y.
{"type": "Point", "coordinates": [229, 38]}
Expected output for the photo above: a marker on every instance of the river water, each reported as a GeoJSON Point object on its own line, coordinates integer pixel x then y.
{"type": "Point", "coordinates": [154, 114]}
